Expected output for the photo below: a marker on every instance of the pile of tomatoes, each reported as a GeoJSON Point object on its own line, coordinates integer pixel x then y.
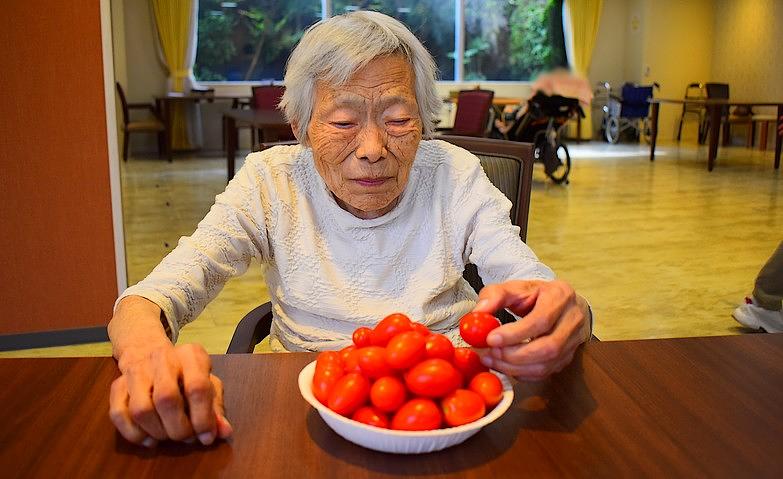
{"type": "Point", "coordinates": [402, 376]}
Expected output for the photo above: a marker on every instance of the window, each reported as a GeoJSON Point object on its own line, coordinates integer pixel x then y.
{"type": "Point", "coordinates": [504, 40]}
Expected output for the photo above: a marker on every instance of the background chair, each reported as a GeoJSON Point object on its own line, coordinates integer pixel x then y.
{"type": "Point", "coordinates": [737, 116]}
{"type": "Point", "coordinates": [268, 97]}
{"type": "Point", "coordinates": [473, 113]}
{"type": "Point", "coordinates": [149, 125]}
{"type": "Point", "coordinates": [509, 166]}
{"type": "Point", "coordinates": [694, 91]}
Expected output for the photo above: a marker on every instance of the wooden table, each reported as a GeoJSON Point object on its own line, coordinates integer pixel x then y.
{"type": "Point", "coordinates": [164, 105]}
{"type": "Point", "coordinates": [714, 111]}
{"type": "Point", "coordinates": [701, 407]}
{"type": "Point", "coordinates": [268, 121]}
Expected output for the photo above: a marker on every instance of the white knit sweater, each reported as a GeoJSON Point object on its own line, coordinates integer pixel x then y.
{"type": "Point", "coordinates": [330, 272]}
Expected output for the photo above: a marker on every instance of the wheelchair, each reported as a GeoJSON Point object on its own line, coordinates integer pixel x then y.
{"type": "Point", "coordinates": [628, 112]}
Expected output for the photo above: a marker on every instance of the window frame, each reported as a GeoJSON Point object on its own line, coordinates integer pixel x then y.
{"type": "Point", "coordinates": [459, 67]}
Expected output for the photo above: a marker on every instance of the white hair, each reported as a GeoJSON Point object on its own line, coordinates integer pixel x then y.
{"type": "Point", "coordinates": [334, 49]}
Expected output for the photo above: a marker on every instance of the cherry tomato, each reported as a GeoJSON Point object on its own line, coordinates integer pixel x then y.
{"type": "Point", "coordinates": [371, 416]}
{"type": "Point", "coordinates": [349, 394]}
{"type": "Point", "coordinates": [468, 363]}
{"type": "Point", "coordinates": [433, 378]}
{"type": "Point", "coordinates": [474, 327]}
{"type": "Point", "coordinates": [362, 337]}
{"type": "Point", "coordinates": [389, 327]}
{"type": "Point", "coordinates": [324, 380]}
{"type": "Point", "coordinates": [417, 415]}
{"type": "Point", "coordinates": [328, 358]}
{"type": "Point", "coordinates": [350, 359]}
{"type": "Point", "coordinates": [388, 394]}
{"type": "Point", "coordinates": [420, 328]}
{"type": "Point", "coordinates": [489, 387]}
{"type": "Point", "coordinates": [461, 407]}
{"type": "Point", "coordinates": [405, 350]}
{"type": "Point", "coordinates": [439, 346]}
{"type": "Point", "coordinates": [372, 362]}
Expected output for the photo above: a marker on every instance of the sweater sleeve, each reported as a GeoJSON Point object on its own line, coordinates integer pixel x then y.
{"type": "Point", "coordinates": [222, 246]}
{"type": "Point", "coordinates": [491, 241]}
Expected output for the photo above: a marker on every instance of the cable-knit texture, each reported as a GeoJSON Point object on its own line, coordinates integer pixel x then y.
{"type": "Point", "coordinates": [330, 272]}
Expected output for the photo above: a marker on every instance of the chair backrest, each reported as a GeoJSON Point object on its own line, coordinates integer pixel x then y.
{"type": "Point", "coordinates": [124, 102]}
{"type": "Point", "coordinates": [267, 97]}
{"type": "Point", "coordinates": [472, 112]}
{"type": "Point", "coordinates": [694, 91]}
{"type": "Point", "coordinates": [718, 91]}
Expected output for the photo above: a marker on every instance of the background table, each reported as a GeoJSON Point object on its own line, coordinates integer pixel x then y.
{"type": "Point", "coordinates": [265, 120]}
{"type": "Point", "coordinates": [714, 110]}
{"type": "Point", "coordinates": [706, 407]}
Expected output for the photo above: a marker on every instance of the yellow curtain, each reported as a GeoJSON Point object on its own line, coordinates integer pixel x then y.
{"type": "Point", "coordinates": [582, 18]}
{"type": "Point", "coordinates": [173, 20]}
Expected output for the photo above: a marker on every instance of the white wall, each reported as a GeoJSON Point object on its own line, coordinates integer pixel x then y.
{"type": "Point", "coordinates": [747, 50]}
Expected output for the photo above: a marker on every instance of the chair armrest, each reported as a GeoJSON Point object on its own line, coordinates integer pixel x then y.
{"type": "Point", "coordinates": [251, 330]}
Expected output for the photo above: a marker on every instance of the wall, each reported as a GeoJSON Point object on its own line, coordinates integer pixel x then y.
{"type": "Point", "coordinates": [140, 60]}
{"type": "Point", "coordinates": [747, 50]}
{"type": "Point", "coordinates": [676, 49]}
{"type": "Point", "coordinates": [57, 245]}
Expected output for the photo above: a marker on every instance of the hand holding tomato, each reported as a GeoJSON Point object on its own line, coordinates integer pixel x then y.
{"type": "Point", "coordinates": [554, 322]}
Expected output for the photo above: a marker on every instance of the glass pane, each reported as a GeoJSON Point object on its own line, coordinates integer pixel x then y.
{"type": "Point", "coordinates": [432, 21]}
{"type": "Point", "coordinates": [512, 40]}
{"type": "Point", "coordinates": [250, 39]}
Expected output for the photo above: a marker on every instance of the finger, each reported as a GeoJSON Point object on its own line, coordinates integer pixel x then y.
{"type": "Point", "coordinates": [533, 372]}
{"type": "Point", "coordinates": [167, 397]}
{"type": "Point", "coordinates": [565, 335]}
{"type": "Point", "coordinates": [142, 409]}
{"type": "Point", "coordinates": [120, 415]}
{"type": "Point", "coordinates": [199, 392]}
{"type": "Point", "coordinates": [514, 295]}
{"type": "Point", "coordinates": [551, 302]}
{"type": "Point", "coordinates": [224, 428]}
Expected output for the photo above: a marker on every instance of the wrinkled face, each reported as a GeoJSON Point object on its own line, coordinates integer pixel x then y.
{"type": "Point", "coordinates": [364, 135]}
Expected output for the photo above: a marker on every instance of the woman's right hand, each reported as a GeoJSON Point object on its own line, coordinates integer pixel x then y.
{"type": "Point", "coordinates": [168, 393]}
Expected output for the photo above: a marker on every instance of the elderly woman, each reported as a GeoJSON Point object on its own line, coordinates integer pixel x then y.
{"type": "Point", "coordinates": [361, 219]}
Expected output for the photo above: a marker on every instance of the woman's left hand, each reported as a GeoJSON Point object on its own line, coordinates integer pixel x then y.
{"type": "Point", "coordinates": [553, 322]}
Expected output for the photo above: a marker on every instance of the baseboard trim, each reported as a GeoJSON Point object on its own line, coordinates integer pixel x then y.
{"type": "Point", "coordinates": [46, 339]}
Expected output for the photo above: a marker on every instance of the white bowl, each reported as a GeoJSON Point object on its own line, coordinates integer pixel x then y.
{"type": "Point", "coordinates": [400, 442]}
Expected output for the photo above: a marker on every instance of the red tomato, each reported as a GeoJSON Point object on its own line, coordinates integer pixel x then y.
{"type": "Point", "coordinates": [461, 407]}
{"type": "Point", "coordinates": [420, 328]}
{"type": "Point", "coordinates": [349, 394]}
{"type": "Point", "coordinates": [350, 359]}
{"type": "Point", "coordinates": [389, 327]}
{"type": "Point", "coordinates": [362, 337]}
{"type": "Point", "coordinates": [439, 346]}
{"type": "Point", "coordinates": [468, 363]}
{"type": "Point", "coordinates": [324, 380]}
{"type": "Point", "coordinates": [370, 415]}
{"type": "Point", "coordinates": [372, 362]}
{"type": "Point", "coordinates": [489, 387]}
{"type": "Point", "coordinates": [417, 415]}
{"type": "Point", "coordinates": [405, 350]}
{"type": "Point", "coordinates": [474, 327]}
{"type": "Point", "coordinates": [328, 358]}
{"type": "Point", "coordinates": [388, 394]}
{"type": "Point", "coordinates": [433, 378]}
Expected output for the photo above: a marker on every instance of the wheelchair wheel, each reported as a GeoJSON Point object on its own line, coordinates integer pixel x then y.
{"type": "Point", "coordinates": [560, 174]}
{"type": "Point", "coordinates": [613, 130]}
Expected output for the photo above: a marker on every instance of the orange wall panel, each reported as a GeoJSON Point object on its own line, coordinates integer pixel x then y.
{"type": "Point", "coordinates": [57, 267]}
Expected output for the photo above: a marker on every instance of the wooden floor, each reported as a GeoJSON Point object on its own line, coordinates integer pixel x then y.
{"type": "Point", "coordinates": [661, 249]}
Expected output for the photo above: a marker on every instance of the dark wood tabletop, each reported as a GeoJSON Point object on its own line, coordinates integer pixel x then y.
{"type": "Point", "coordinates": [701, 407]}
{"type": "Point", "coordinates": [267, 121]}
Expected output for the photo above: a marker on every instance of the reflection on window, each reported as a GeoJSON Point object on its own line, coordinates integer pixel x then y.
{"type": "Point", "coordinates": [432, 21]}
{"type": "Point", "coordinates": [512, 40]}
{"type": "Point", "coordinates": [250, 40]}
{"type": "Point", "coordinates": [506, 40]}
